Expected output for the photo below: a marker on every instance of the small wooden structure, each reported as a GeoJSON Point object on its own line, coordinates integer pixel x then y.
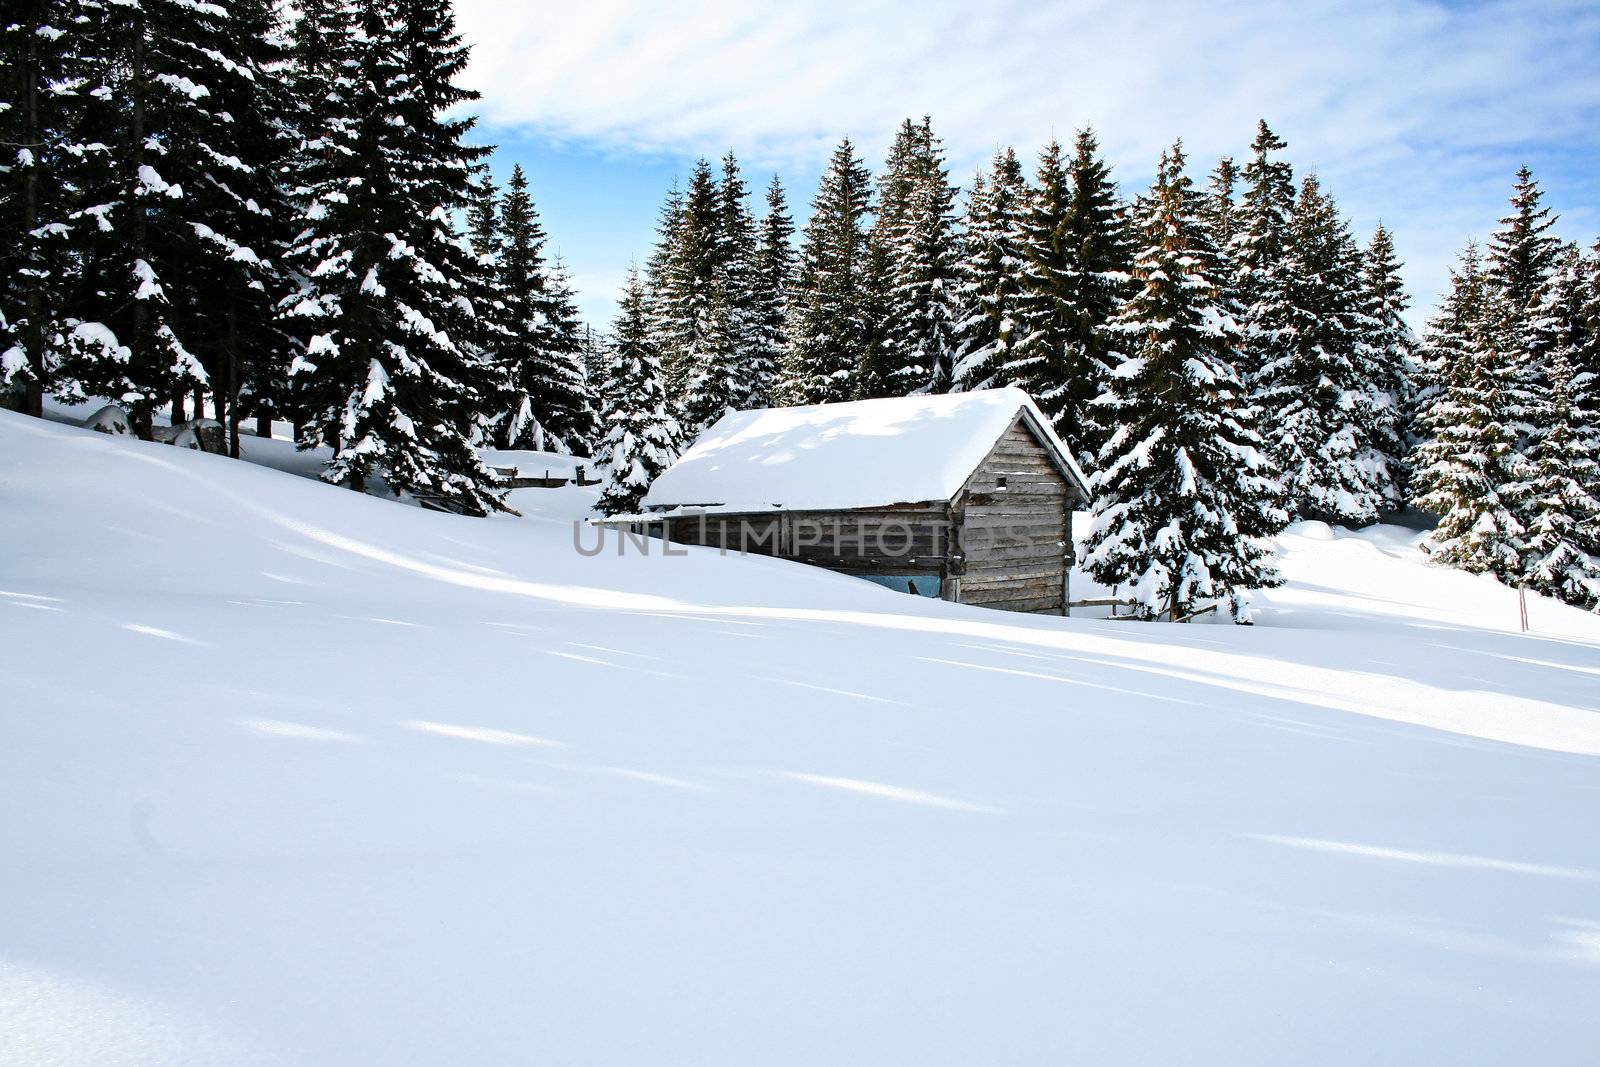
{"type": "Point", "coordinates": [968, 496]}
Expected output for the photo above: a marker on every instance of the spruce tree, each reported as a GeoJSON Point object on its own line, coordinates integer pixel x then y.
{"type": "Point", "coordinates": [49, 94]}
{"type": "Point", "coordinates": [564, 401]}
{"type": "Point", "coordinates": [1562, 500]}
{"type": "Point", "coordinates": [916, 238]}
{"type": "Point", "coordinates": [1317, 389]}
{"type": "Point", "coordinates": [1100, 257]}
{"type": "Point", "coordinates": [695, 337]}
{"type": "Point", "coordinates": [1221, 208]}
{"type": "Point", "coordinates": [1586, 357]}
{"type": "Point", "coordinates": [1259, 253]}
{"type": "Point", "coordinates": [775, 259]}
{"type": "Point", "coordinates": [1469, 470]}
{"type": "Point", "coordinates": [1183, 494]}
{"type": "Point", "coordinates": [171, 202]}
{"type": "Point", "coordinates": [236, 281]}
{"type": "Point", "coordinates": [395, 387]}
{"type": "Point", "coordinates": [1390, 361]}
{"type": "Point", "coordinates": [828, 325]}
{"type": "Point", "coordinates": [991, 275]}
{"type": "Point", "coordinates": [639, 435]}
{"type": "Point", "coordinates": [1046, 315]}
{"type": "Point", "coordinates": [1522, 257]}
{"type": "Point", "coordinates": [723, 369]}
{"type": "Point", "coordinates": [539, 348]}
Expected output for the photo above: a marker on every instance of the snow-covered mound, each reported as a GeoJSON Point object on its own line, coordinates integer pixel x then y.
{"type": "Point", "coordinates": [294, 775]}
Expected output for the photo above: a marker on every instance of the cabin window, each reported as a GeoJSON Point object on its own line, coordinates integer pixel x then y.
{"type": "Point", "coordinates": [1001, 483]}
{"type": "Point", "coordinates": [917, 584]}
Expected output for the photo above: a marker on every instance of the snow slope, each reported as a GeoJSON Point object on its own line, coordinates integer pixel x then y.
{"type": "Point", "coordinates": [290, 775]}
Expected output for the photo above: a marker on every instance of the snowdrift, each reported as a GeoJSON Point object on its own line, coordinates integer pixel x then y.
{"type": "Point", "coordinates": [291, 775]}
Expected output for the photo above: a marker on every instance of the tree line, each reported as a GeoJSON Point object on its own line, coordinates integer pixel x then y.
{"type": "Point", "coordinates": [287, 218]}
{"type": "Point", "coordinates": [282, 217]}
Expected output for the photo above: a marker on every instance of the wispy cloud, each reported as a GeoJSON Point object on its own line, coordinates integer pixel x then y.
{"type": "Point", "coordinates": [1416, 112]}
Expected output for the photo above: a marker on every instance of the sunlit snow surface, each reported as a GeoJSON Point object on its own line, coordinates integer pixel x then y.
{"type": "Point", "coordinates": [291, 775]}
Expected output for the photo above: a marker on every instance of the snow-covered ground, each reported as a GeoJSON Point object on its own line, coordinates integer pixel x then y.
{"type": "Point", "coordinates": [293, 775]}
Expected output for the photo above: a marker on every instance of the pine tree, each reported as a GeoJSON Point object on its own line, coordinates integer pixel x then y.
{"type": "Point", "coordinates": [1389, 357]}
{"type": "Point", "coordinates": [394, 386]}
{"type": "Point", "coordinates": [540, 346]}
{"type": "Point", "coordinates": [639, 440]}
{"type": "Point", "coordinates": [660, 310]}
{"type": "Point", "coordinates": [720, 369]}
{"type": "Point", "coordinates": [1220, 211]}
{"type": "Point", "coordinates": [1100, 257]}
{"type": "Point", "coordinates": [1183, 494]}
{"type": "Point", "coordinates": [1586, 357]}
{"type": "Point", "coordinates": [1317, 387]}
{"type": "Point", "coordinates": [694, 333]}
{"type": "Point", "coordinates": [565, 402]}
{"type": "Point", "coordinates": [236, 281]}
{"type": "Point", "coordinates": [915, 236]}
{"type": "Point", "coordinates": [1522, 257]}
{"type": "Point", "coordinates": [828, 325]}
{"type": "Point", "coordinates": [1562, 502]}
{"type": "Point", "coordinates": [167, 203]}
{"type": "Point", "coordinates": [48, 96]}
{"type": "Point", "coordinates": [774, 275]}
{"type": "Point", "coordinates": [1259, 253]}
{"type": "Point", "coordinates": [1040, 363]}
{"type": "Point", "coordinates": [1468, 470]}
{"type": "Point", "coordinates": [990, 290]}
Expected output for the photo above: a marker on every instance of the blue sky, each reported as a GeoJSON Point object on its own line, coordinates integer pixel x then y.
{"type": "Point", "coordinates": [1417, 113]}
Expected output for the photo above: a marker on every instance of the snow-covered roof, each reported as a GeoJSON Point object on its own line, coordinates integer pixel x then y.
{"type": "Point", "coordinates": [855, 455]}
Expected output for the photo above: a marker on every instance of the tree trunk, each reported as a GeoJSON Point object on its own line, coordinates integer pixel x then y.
{"type": "Point", "coordinates": [200, 402]}
{"type": "Point", "coordinates": [263, 424]}
{"type": "Point", "coordinates": [177, 415]}
{"type": "Point", "coordinates": [142, 423]}
{"type": "Point", "coordinates": [138, 342]}
{"type": "Point", "coordinates": [33, 337]}
{"type": "Point", "coordinates": [232, 422]}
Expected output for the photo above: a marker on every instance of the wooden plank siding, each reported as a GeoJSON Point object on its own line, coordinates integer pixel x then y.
{"type": "Point", "coordinates": [1013, 515]}
{"type": "Point", "coordinates": [891, 540]}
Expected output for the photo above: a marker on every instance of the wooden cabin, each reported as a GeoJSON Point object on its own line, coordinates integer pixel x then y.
{"type": "Point", "coordinates": [967, 496]}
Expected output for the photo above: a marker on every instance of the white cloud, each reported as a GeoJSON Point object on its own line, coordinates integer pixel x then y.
{"type": "Point", "coordinates": [1416, 112]}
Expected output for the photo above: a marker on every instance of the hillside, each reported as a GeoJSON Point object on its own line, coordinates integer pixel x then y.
{"type": "Point", "coordinates": [292, 775]}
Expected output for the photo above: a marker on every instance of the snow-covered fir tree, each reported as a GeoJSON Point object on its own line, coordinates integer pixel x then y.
{"type": "Point", "coordinates": [990, 286]}
{"type": "Point", "coordinates": [640, 436]}
{"type": "Point", "coordinates": [1040, 361]}
{"type": "Point", "coordinates": [1259, 253]}
{"type": "Point", "coordinates": [1321, 402]}
{"type": "Point", "coordinates": [1389, 357]}
{"type": "Point", "coordinates": [172, 203]}
{"type": "Point", "coordinates": [1468, 470]}
{"type": "Point", "coordinates": [915, 235]}
{"type": "Point", "coordinates": [566, 397]}
{"type": "Point", "coordinates": [1586, 356]}
{"type": "Point", "coordinates": [1561, 503]}
{"type": "Point", "coordinates": [539, 344]}
{"type": "Point", "coordinates": [1099, 256]}
{"type": "Point", "coordinates": [53, 91]}
{"type": "Point", "coordinates": [236, 280]}
{"type": "Point", "coordinates": [394, 386]}
{"type": "Point", "coordinates": [828, 325]}
{"type": "Point", "coordinates": [775, 259]}
{"type": "Point", "coordinates": [1522, 256]}
{"type": "Point", "coordinates": [1078, 253]}
{"type": "Point", "coordinates": [1221, 209]}
{"type": "Point", "coordinates": [1184, 496]}
{"type": "Point", "coordinates": [717, 368]}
